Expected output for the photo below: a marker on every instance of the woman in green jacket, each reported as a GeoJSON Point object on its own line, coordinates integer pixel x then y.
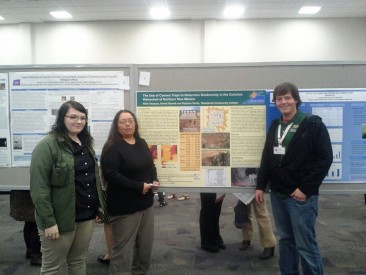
{"type": "Point", "coordinates": [66, 190]}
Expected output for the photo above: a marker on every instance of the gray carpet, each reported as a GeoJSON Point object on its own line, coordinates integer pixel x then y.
{"type": "Point", "coordinates": [341, 230]}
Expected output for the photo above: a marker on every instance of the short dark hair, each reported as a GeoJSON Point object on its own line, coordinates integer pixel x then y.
{"type": "Point", "coordinates": [114, 136]}
{"type": "Point", "coordinates": [285, 88]}
{"type": "Point", "coordinates": [59, 127]}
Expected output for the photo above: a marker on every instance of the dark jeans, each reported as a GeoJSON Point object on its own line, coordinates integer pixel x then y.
{"type": "Point", "coordinates": [295, 223]}
{"type": "Point", "coordinates": [209, 220]}
{"type": "Point", "coordinates": [31, 238]}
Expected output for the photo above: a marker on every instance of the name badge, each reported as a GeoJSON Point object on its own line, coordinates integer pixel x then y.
{"type": "Point", "coordinates": [279, 150]}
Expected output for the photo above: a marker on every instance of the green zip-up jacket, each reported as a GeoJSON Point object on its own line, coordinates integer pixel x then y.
{"type": "Point", "coordinates": [52, 183]}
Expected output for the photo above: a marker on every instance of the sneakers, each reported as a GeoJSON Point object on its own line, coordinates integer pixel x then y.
{"type": "Point", "coordinates": [162, 204]}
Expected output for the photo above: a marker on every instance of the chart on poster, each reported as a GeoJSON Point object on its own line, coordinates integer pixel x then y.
{"type": "Point", "coordinates": [343, 111]}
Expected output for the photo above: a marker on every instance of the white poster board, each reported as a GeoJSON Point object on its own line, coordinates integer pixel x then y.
{"type": "Point", "coordinates": [36, 96]}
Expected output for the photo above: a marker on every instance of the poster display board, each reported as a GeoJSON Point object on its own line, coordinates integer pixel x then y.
{"type": "Point", "coordinates": [204, 139]}
{"type": "Point", "coordinates": [343, 111]}
{"type": "Point", "coordinates": [36, 96]}
{"type": "Point", "coordinates": [5, 151]}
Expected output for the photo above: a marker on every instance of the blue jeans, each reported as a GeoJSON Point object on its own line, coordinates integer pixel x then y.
{"type": "Point", "coordinates": [295, 223]}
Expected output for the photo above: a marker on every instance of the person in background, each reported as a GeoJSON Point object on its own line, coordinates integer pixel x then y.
{"type": "Point", "coordinates": [22, 209]}
{"type": "Point", "coordinates": [66, 190]}
{"type": "Point", "coordinates": [154, 153]}
{"type": "Point", "coordinates": [267, 238]}
{"type": "Point", "coordinates": [295, 160]}
{"type": "Point", "coordinates": [129, 169]}
{"type": "Point", "coordinates": [209, 220]}
{"type": "Point", "coordinates": [161, 199]}
{"type": "Point", "coordinates": [106, 258]}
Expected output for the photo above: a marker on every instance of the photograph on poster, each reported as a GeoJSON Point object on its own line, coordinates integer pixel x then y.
{"type": "Point", "coordinates": [216, 158]}
{"type": "Point", "coordinates": [189, 119]}
{"type": "Point", "coordinates": [3, 142]}
{"type": "Point", "coordinates": [215, 140]}
{"type": "Point", "coordinates": [244, 176]}
{"type": "Point", "coordinates": [169, 153]}
{"type": "Point", "coordinates": [17, 142]}
{"type": "Point", "coordinates": [154, 151]}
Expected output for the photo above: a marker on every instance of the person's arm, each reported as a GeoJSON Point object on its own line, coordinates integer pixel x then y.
{"type": "Point", "coordinates": [41, 170]}
{"type": "Point", "coordinates": [323, 157]}
{"type": "Point", "coordinates": [262, 177]}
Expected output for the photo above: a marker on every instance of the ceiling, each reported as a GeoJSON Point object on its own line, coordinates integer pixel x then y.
{"type": "Point", "coordinates": [37, 11]}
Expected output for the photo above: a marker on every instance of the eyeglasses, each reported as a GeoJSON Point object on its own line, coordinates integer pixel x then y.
{"type": "Point", "coordinates": [74, 118]}
{"type": "Point", "coordinates": [125, 121]}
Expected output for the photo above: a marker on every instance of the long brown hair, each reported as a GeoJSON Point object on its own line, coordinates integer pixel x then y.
{"type": "Point", "coordinates": [60, 129]}
{"type": "Point", "coordinates": [114, 136]}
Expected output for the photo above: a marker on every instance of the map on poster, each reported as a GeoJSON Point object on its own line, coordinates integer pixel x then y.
{"type": "Point", "coordinates": [343, 111]}
{"type": "Point", "coordinates": [204, 139]}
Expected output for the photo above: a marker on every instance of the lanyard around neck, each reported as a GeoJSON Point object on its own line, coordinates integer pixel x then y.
{"type": "Point", "coordinates": [280, 139]}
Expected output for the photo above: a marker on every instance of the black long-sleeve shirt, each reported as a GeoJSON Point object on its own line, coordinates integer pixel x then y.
{"type": "Point", "coordinates": [126, 167]}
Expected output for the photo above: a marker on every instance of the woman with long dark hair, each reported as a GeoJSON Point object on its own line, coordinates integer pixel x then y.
{"type": "Point", "coordinates": [66, 190]}
{"type": "Point", "coordinates": [129, 169]}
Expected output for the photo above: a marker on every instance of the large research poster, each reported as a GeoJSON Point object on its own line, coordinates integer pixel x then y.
{"type": "Point", "coordinates": [343, 111]}
{"type": "Point", "coordinates": [36, 96]}
{"type": "Point", "coordinates": [203, 139]}
{"type": "Point", "coordinates": [5, 152]}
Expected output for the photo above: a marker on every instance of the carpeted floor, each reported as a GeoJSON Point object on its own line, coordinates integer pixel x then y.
{"type": "Point", "coordinates": [341, 231]}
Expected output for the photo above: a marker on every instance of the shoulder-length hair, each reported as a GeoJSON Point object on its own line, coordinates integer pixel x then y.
{"type": "Point", "coordinates": [114, 136]}
{"type": "Point", "coordinates": [60, 129]}
{"type": "Point", "coordinates": [286, 88]}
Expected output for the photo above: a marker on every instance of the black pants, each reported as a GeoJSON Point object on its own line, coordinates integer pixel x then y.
{"type": "Point", "coordinates": [161, 197]}
{"type": "Point", "coordinates": [31, 238]}
{"type": "Point", "coordinates": [209, 220]}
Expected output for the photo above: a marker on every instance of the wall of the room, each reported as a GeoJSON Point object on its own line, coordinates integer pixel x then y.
{"type": "Point", "coordinates": [172, 42]}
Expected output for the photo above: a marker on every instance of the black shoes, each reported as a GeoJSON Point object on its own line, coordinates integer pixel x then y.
{"type": "Point", "coordinates": [35, 259]}
{"type": "Point", "coordinates": [267, 253]}
{"type": "Point", "coordinates": [211, 248]}
{"type": "Point", "coordinates": [102, 260]}
{"type": "Point", "coordinates": [244, 245]}
{"type": "Point", "coordinates": [222, 246]}
{"type": "Point", "coordinates": [162, 204]}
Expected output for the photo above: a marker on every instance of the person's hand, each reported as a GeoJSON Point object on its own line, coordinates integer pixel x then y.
{"type": "Point", "coordinates": [155, 185]}
{"type": "Point", "coordinates": [298, 195]}
{"type": "Point", "coordinates": [98, 219]}
{"type": "Point", "coordinates": [52, 233]}
{"type": "Point", "coordinates": [259, 196]}
{"type": "Point", "coordinates": [146, 188]}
